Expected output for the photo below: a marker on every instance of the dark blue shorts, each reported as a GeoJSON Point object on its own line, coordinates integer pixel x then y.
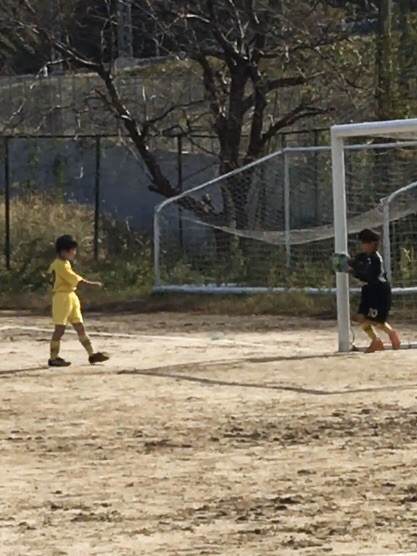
{"type": "Point", "coordinates": [376, 300]}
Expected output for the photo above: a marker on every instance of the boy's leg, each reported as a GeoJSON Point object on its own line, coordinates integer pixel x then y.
{"type": "Point", "coordinates": [363, 312]}
{"type": "Point", "coordinates": [382, 305]}
{"type": "Point", "coordinates": [56, 340]}
{"type": "Point", "coordinates": [384, 327]}
{"type": "Point", "coordinates": [76, 319]}
{"type": "Point", "coordinates": [55, 360]}
{"type": "Point", "coordinates": [61, 307]}
{"type": "Point", "coordinates": [86, 343]}
{"type": "Point", "coordinates": [83, 338]}
{"type": "Point", "coordinates": [393, 334]}
{"type": "Point", "coordinates": [367, 327]}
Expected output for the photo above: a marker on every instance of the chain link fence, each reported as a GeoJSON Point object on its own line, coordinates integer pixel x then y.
{"type": "Point", "coordinates": [96, 188]}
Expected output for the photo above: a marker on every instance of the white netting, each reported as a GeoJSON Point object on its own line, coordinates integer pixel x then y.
{"type": "Point", "coordinates": [271, 224]}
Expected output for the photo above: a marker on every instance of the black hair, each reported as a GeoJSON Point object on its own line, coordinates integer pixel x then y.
{"type": "Point", "coordinates": [368, 236]}
{"type": "Point", "coordinates": [65, 243]}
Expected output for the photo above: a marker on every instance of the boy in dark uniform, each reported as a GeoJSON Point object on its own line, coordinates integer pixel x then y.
{"type": "Point", "coordinates": [375, 303]}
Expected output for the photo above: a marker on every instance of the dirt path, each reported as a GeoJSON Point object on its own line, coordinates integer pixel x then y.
{"type": "Point", "coordinates": [206, 435]}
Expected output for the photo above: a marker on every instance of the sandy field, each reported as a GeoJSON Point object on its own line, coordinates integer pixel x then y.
{"type": "Point", "coordinates": [205, 435]}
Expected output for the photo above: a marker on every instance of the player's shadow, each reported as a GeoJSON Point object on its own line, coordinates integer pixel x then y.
{"type": "Point", "coordinates": [10, 372]}
{"type": "Point", "coordinates": [172, 372]}
{"type": "Point", "coordinates": [204, 365]}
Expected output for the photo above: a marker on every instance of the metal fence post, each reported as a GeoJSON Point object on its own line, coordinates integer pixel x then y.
{"type": "Point", "coordinates": [7, 249]}
{"type": "Point", "coordinates": [317, 199]}
{"type": "Point", "coordinates": [386, 240]}
{"type": "Point", "coordinates": [180, 185]}
{"type": "Point", "coordinates": [157, 248]}
{"type": "Point", "coordinates": [97, 199]}
{"type": "Point", "coordinates": [287, 208]}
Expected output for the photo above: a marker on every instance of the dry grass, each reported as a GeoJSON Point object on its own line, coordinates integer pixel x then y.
{"type": "Point", "coordinates": [107, 301]}
{"type": "Point", "coordinates": [125, 255]}
{"type": "Point", "coordinates": [125, 267]}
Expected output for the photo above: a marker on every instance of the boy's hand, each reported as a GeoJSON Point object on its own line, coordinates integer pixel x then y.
{"type": "Point", "coordinates": [97, 284]}
{"type": "Point", "coordinates": [349, 270]}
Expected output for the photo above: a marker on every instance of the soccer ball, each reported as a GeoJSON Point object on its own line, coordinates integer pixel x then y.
{"type": "Point", "coordinates": [340, 262]}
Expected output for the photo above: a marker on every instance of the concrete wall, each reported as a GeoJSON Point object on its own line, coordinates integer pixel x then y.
{"type": "Point", "coordinates": [68, 167]}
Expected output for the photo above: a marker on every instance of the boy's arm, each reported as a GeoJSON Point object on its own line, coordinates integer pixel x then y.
{"type": "Point", "coordinates": [367, 272]}
{"type": "Point", "coordinates": [84, 282]}
{"type": "Point", "coordinates": [75, 279]}
{"type": "Point", "coordinates": [375, 266]}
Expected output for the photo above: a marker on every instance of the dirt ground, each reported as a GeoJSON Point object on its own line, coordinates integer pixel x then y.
{"type": "Point", "coordinates": [205, 435]}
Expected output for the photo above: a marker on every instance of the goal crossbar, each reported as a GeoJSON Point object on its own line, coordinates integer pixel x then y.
{"type": "Point", "coordinates": [392, 128]}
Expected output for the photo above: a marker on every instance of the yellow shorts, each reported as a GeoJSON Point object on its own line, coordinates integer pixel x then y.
{"type": "Point", "coordinates": [66, 308]}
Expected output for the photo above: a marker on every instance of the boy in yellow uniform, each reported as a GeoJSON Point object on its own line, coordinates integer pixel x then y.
{"type": "Point", "coordinates": [66, 306]}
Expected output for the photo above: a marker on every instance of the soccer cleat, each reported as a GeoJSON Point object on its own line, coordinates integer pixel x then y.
{"type": "Point", "coordinates": [376, 345]}
{"type": "Point", "coordinates": [98, 358]}
{"type": "Point", "coordinates": [58, 362]}
{"type": "Point", "coordinates": [395, 340]}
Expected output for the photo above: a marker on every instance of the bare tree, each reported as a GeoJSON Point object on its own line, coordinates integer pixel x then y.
{"type": "Point", "coordinates": [247, 51]}
{"type": "Point", "coordinates": [244, 52]}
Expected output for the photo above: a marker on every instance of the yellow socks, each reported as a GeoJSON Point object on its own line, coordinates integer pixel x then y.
{"type": "Point", "coordinates": [55, 347]}
{"type": "Point", "coordinates": [84, 340]}
{"type": "Point", "coordinates": [86, 343]}
{"type": "Point", "coordinates": [385, 327]}
{"type": "Point", "coordinates": [369, 330]}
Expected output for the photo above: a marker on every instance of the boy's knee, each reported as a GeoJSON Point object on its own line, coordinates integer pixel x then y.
{"type": "Point", "coordinates": [58, 332]}
{"type": "Point", "coordinates": [79, 328]}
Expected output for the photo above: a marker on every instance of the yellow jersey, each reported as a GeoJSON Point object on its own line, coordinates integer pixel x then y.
{"type": "Point", "coordinates": [64, 279]}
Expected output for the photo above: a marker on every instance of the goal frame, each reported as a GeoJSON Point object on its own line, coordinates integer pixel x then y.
{"type": "Point", "coordinates": [339, 134]}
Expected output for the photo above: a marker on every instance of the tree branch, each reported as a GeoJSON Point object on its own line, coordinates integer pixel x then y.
{"type": "Point", "coordinates": [279, 83]}
{"type": "Point", "coordinates": [209, 84]}
{"type": "Point", "coordinates": [298, 113]}
{"type": "Point", "coordinates": [238, 21]}
{"type": "Point", "coordinates": [76, 58]}
{"type": "Point", "coordinates": [147, 124]}
{"type": "Point", "coordinates": [250, 8]}
{"type": "Point", "coordinates": [277, 50]}
{"type": "Point", "coordinates": [232, 55]}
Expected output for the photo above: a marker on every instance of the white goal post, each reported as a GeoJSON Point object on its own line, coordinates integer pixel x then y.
{"type": "Point", "coordinates": [395, 129]}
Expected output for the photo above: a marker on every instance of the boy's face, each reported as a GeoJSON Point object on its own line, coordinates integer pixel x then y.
{"type": "Point", "coordinates": [368, 247]}
{"type": "Point", "coordinates": [68, 255]}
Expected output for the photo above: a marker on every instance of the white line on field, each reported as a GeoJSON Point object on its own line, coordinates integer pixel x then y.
{"type": "Point", "coordinates": [379, 554]}
{"type": "Point", "coordinates": [145, 336]}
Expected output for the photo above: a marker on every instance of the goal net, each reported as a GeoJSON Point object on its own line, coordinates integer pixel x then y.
{"type": "Point", "coordinates": [271, 226]}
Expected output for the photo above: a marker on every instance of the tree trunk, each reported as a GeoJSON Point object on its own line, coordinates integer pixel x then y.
{"type": "Point", "coordinates": [405, 51]}
{"type": "Point", "coordinates": [384, 60]}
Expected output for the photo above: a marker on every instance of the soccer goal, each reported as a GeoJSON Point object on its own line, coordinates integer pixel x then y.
{"type": "Point", "coordinates": [272, 226]}
{"type": "Point", "coordinates": [398, 207]}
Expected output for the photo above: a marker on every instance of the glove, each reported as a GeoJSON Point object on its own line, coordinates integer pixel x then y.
{"type": "Point", "coordinates": [341, 262]}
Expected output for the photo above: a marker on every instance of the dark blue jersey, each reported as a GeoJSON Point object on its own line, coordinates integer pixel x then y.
{"type": "Point", "coordinates": [369, 268]}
